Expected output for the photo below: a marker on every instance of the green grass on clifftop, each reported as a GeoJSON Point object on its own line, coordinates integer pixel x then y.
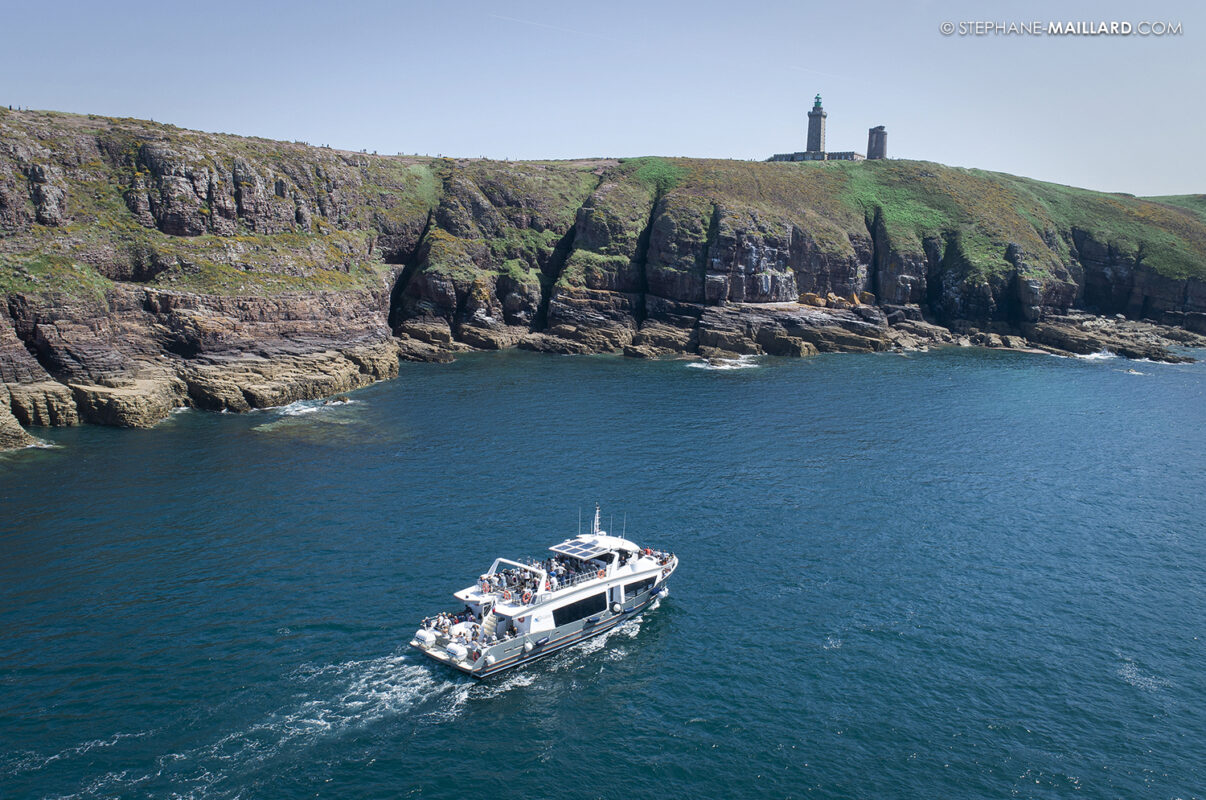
{"type": "Point", "coordinates": [1194, 203]}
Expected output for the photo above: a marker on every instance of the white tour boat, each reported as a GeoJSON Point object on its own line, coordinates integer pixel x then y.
{"type": "Point", "coordinates": [521, 611]}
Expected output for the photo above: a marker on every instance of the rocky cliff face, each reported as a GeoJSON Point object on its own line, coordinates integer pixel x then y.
{"type": "Point", "coordinates": [145, 267]}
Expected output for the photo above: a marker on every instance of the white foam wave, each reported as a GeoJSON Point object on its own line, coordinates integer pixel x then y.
{"type": "Point", "coordinates": [366, 691]}
{"type": "Point", "coordinates": [504, 684]}
{"type": "Point", "coordinates": [832, 643]}
{"type": "Point", "coordinates": [1100, 355]}
{"type": "Point", "coordinates": [1161, 363]}
{"type": "Point", "coordinates": [741, 362]}
{"type": "Point", "coordinates": [36, 444]}
{"type": "Point", "coordinates": [30, 761]}
{"type": "Point", "coordinates": [574, 657]}
{"type": "Point", "coordinates": [287, 416]}
{"type": "Point", "coordinates": [1130, 673]}
{"type": "Point", "coordinates": [299, 408]}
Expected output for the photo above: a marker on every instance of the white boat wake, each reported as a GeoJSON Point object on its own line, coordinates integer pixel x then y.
{"type": "Point", "coordinates": [331, 701]}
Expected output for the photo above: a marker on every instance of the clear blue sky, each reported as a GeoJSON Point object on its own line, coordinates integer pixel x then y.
{"type": "Point", "coordinates": [564, 79]}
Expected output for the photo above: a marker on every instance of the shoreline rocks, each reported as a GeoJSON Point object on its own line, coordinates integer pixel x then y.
{"type": "Point", "coordinates": [147, 386]}
{"type": "Point", "coordinates": [131, 358]}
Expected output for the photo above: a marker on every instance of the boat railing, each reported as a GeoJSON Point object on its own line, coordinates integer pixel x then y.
{"type": "Point", "coordinates": [539, 596]}
{"type": "Point", "coordinates": [516, 595]}
{"type": "Point", "coordinates": [574, 579]}
{"type": "Point", "coordinates": [561, 583]}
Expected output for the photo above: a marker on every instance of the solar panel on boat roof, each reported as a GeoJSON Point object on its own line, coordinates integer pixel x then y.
{"type": "Point", "coordinates": [578, 549]}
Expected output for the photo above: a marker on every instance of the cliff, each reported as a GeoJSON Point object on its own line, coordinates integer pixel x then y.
{"type": "Point", "coordinates": [145, 267]}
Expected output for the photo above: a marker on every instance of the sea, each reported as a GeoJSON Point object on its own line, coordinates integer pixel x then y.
{"type": "Point", "coordinates": [956, 574]}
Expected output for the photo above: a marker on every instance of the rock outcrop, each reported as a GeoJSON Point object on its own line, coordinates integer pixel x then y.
{"type": "Point", "coordinates": [144, 267]}
{"type": "Point", "coordinates": [131, 357]}
{"type": "Point", "coordinates": [12, 435]}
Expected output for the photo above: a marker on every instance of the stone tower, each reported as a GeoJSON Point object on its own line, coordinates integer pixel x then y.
{"type": "Point", "coordinates": [877, 142]}
{"type": "Point", "coordinates": [816, 127]}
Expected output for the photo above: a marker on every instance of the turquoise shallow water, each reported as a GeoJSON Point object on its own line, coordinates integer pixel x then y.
{"type": "Point", "coordinates": [957, 574]}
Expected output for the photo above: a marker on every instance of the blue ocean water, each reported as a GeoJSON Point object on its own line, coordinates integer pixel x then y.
{"type": "Point", "coordinates": [963, 573]}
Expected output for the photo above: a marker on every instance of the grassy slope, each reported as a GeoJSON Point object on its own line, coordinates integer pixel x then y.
{"type": "Point", "coordinates": [984, 211]}
{"type": "Point", "coordinates": [1194, 203]}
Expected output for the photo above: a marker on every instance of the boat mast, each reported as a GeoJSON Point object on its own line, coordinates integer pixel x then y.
{"type": "Point", "coordinates": [595, 525]}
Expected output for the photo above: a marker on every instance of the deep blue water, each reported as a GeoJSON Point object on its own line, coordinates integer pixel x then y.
{"type": "Point", "coordinates": [957, 574]}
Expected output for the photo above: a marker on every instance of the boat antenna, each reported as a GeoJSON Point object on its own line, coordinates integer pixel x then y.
{"type": "Point", "coordinates": [611, 526]}
{"type": "Point", "coordinates": [579, 520]}
{"type": "Point", "coordinates": [625, 534]}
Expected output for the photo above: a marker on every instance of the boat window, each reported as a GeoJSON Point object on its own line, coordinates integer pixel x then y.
{"type": "Point", "coordinates": [631, 590]}
{"type": "Point", "coordinates": [579, 610]}
{"type": "Point", "coordinates": [606, 558]}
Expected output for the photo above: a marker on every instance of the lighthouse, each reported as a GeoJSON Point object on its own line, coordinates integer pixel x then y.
{"type": "Point", "coordinates": [816, 127]}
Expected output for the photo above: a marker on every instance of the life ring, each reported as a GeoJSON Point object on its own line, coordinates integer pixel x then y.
{"type": "Point", "coordinates": [477, 654]}
{"type": "Point", "coordinates": [600, 574]}
{"type": "Point", "coordinates": [507, 594]}
{"type": "Point", "coordinates": [527, 598]}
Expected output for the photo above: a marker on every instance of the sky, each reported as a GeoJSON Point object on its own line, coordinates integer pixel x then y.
{"type": "Point", "coordinates": [528, 79]}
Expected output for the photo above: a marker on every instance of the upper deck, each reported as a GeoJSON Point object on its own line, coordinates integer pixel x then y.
{"type": "Point", "coordinates": [511, 586]}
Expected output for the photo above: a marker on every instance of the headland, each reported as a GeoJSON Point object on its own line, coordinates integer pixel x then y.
{"type": "Point", "coordinates": [146, 267]}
